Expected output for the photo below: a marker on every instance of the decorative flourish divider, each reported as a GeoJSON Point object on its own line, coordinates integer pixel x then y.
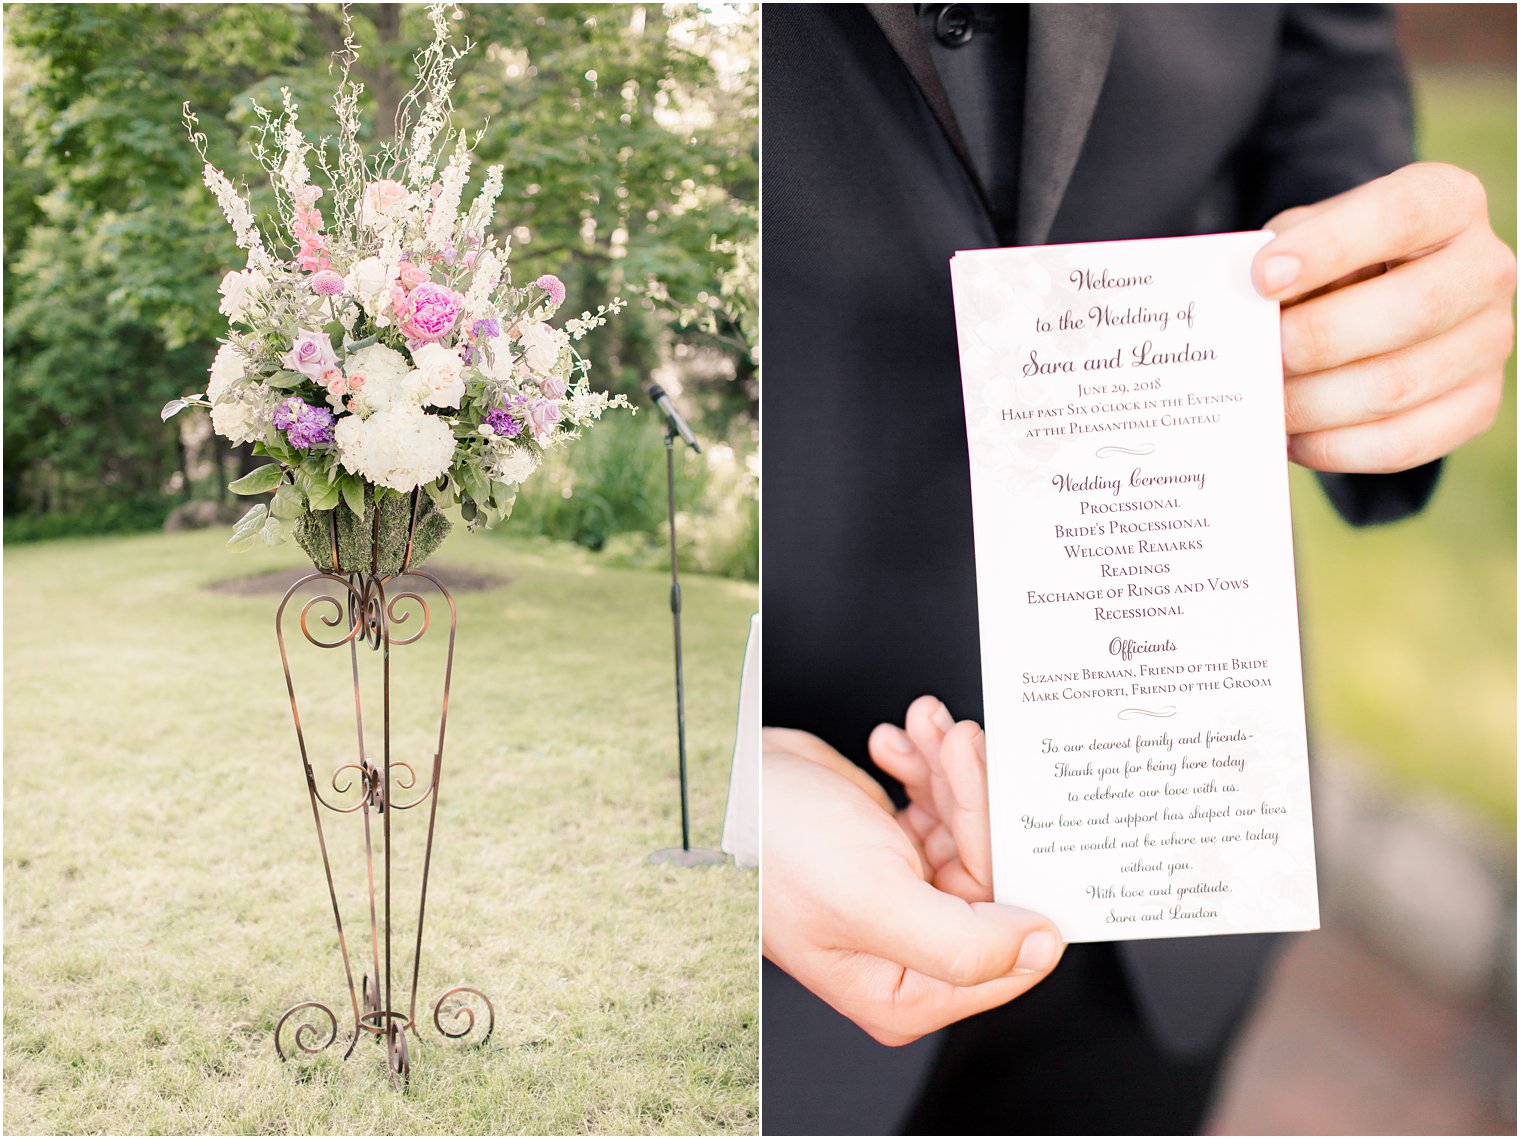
{"type": "Point", "coordinates": [378, 608]}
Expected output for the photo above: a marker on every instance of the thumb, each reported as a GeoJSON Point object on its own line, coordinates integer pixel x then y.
{"type": "Point", "coordinates": [941, 936]}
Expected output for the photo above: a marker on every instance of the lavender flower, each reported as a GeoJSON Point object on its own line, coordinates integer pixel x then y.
{"type": "Point", "coordinates": [507, 421]}
{"type": "Point", "coordinates": [305, 426]}
{"type": "Point", "coordinates": [486, 328]}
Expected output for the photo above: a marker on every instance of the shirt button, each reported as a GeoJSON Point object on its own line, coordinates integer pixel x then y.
{"type": "Point", "coordinates": [953, 25]}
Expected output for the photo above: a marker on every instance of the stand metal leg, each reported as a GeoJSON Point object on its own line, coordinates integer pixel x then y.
{"type": "Point", "coordinates": [378, 609]}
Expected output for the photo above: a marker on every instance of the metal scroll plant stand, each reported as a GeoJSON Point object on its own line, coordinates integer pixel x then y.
{"type": "Point", "coordinates": [378, 607]}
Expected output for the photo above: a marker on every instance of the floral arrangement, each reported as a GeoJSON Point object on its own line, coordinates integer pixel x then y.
{"type": "Point", "coordinates": [377, 344]}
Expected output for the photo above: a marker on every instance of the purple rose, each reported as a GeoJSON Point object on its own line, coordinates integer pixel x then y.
{"type": "Point", "coordinates": [543, 414]}
{"type": "Point", "coordinates": [553, 387]}
{"type": "Point", "coordinates": [311, 355]}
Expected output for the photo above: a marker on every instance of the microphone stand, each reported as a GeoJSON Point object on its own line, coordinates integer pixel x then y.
{"type": "Point", "coordinates": [685, 854]}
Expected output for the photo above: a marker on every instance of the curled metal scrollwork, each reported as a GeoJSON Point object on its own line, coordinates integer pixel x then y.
{"type": "Point", "coordinates": [463, 1013]}
{"type": "Point", "coordinates": [366, 608]}
{"type": "Point", "coordinates": [396, 1055]}
{"type": "Point", "coordinates": [409, 784]}
{"type": "Point", "coordinates": [323, 602]}
{"type": "Point", "coordinates": [306, 1030]}
{"type": "Point", "coordinates": [372, 786]}
{"type": "Point", "coordinates": [398, 617]}
{"type": "Point", "coordinates": [369, 793]}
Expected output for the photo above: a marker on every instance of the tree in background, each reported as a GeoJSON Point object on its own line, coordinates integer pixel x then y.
{"type": "Point", "coordinates": [629, 141]}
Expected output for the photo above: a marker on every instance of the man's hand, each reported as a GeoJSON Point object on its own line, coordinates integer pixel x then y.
{"type": "Point", "coordinates": [1396, 319]}
{"type": "Point", "coordinates": [888, 917]}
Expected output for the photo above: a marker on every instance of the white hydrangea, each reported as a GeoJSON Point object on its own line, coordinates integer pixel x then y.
{"type": "Point", "coordinates": [239, 290]}
{"type": "Point", "coordinates": [385, 380]}
{"type": "Point", "coordinates": [541, 345]}
{"type": "Point", "coordinates": [442, 371]}
{"type": "Point", "coordinates": [243, 415]}
{"type": "Point", "coordinates": [401, 447]}
{"type": "Point", "coordinates": [515, 463]}
{"type": "Point", "coordinates": [228, 368]}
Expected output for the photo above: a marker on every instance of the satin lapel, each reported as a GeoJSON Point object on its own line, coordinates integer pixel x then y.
{"type": "Point", "coordinates": [899, 23]}
{"type": "Point", "coordinates": [1069, 50]}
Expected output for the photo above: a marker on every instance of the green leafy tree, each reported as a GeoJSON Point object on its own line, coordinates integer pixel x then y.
{"type": "Point", "coordinates": [627, 133]}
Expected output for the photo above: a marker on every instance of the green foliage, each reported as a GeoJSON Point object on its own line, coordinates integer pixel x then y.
{"type": "Point", "coordinates": [609, 493]}
{"type": "Point", "coordinates": [260, 480]}
{"type": "Point", "coordinates": [630, 156]}
{"type": "Point", "coordinates": [116, 516]}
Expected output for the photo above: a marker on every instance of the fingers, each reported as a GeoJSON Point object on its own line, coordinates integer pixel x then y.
{"type": "Point", "coordinates": [1427, 432]}
{"type": "Point", "coordinates": [945, 773]}
{"type": "Point", "coordinates": [918, 1005]}
{"type": "Point", "coordinates": [1387, 385]}
{"type": "Point", "coordinates": [930, 1004]}
{"type": "Point", "coordinates": [1411, 210]}
{"type": "Point", "coordinates": [945, 938]}
{"type": "Point", "coordinates": [926, 723]}
{"type": "Point", "coordinates": [963, 758]}
{"type": "Point", "coordinates": [894, 752]}
{"type": "Point", "coordinates": [1416, 301]}
{"type": "Point", "coordinates": [1396, 320]}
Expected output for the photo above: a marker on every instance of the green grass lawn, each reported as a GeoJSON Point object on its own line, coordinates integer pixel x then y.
{"type": "Point", "coordinates": [164, 900]}
{"type": "Point", "coordinates": [1409, 629]}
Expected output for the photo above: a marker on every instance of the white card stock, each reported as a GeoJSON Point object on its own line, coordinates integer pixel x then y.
{"type": "Point", "coordinates": [1147, 763]}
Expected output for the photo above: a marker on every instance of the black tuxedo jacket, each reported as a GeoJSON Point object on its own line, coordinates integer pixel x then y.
{"type": "Point", "coordinates": [1139, 121]}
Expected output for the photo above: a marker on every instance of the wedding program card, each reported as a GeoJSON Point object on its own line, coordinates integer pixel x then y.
{"type": "Point", "coordinates": [1147, 763]}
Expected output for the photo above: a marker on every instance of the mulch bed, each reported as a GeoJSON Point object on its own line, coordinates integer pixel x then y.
{"type": "Point", "coordinates": [454, 578]}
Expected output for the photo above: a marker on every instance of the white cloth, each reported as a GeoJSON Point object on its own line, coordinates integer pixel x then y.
{"type": "Point", "coordinates": [741, 823]}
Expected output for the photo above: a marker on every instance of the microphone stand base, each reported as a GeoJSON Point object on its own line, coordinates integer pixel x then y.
{"type": "Point", "coordinates": [681, 856]}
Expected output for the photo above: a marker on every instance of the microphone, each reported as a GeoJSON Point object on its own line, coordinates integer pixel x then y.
{"type": "Point", "coordinates": [662, 401]}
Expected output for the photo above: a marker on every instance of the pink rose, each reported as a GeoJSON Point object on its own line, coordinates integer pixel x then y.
{"type": "Point", "coordinates": [553, 387]}
{"type": "Point", "coordinates": [311, 355]}
{"type": "Point", "coordinates": [413, 275]}
{"type": "Point", "coordinates": [543, 414]}
{"type": "Point", "coordinates": [429, 311]}
{"type": "Point", "coordinates": [334, 381]}
{"type": "Point", "coordinates": [357, 381]}
{"type": "Point", "coordinates": [384, 200]}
